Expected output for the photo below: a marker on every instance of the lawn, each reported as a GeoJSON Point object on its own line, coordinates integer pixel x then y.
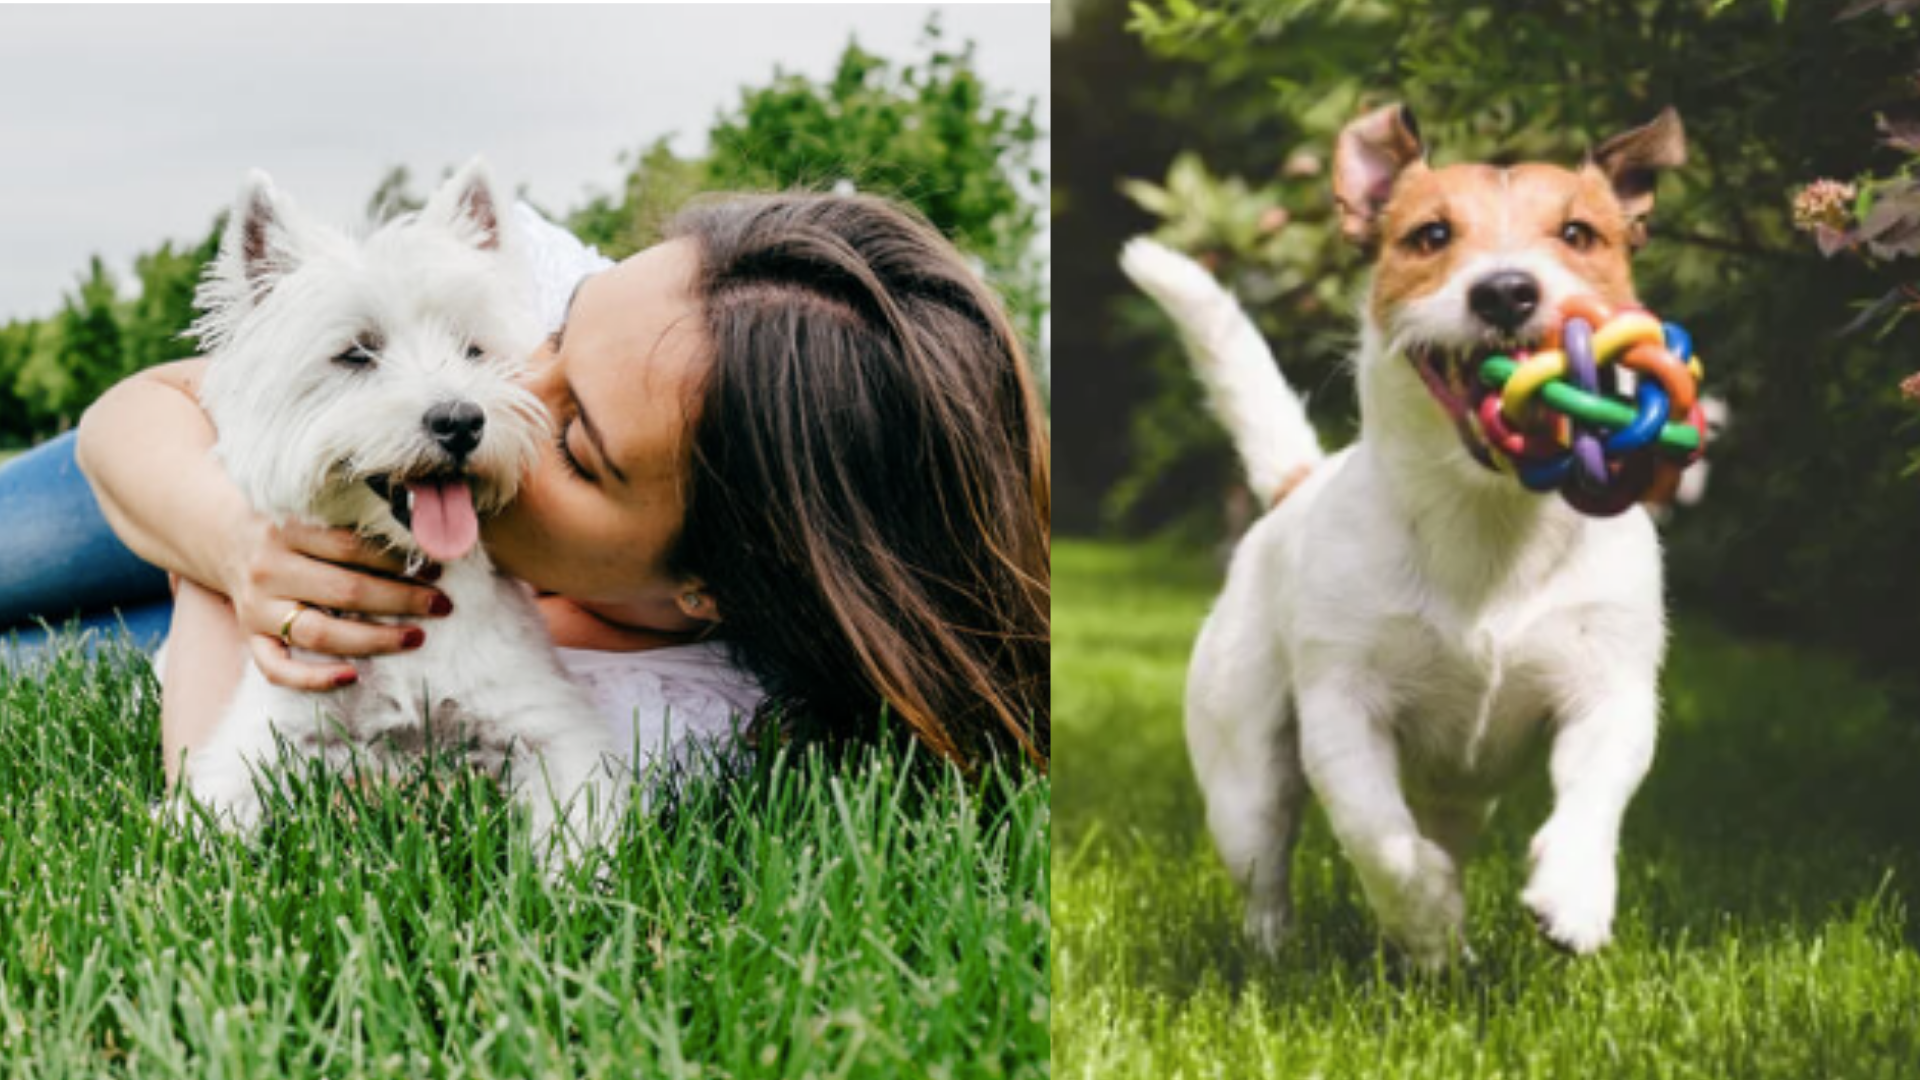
{"type": "Point", "coordinates": [871, 918]}
{"type": "Point", "coordinates": [1768, 869]}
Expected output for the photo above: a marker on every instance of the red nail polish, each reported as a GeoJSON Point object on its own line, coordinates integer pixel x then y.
{"type": "Point", "coordinates": [440, 606]}
{"type": "Point", "coordinates": [412, 637]}
{"type": "Point", "coordinates": [346, 678]}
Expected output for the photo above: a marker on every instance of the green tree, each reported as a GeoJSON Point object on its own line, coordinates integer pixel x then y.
{"type": "Point", "coordinates": [79, 356]}
{"type": "Point", "coordinates": [154, 325]}
{"type": "Point", "coordinates": [929, 133]}
{"type": "Point", "coordinates": [657, 184]}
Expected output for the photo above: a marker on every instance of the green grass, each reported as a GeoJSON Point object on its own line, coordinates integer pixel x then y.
{"type": "Point", "coordinates": [870, 918]}
{"type": "Point", "coordinates": [1768, 868]}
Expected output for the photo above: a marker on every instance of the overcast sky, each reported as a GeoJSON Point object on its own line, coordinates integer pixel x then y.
{"type": "Point", "coordinates": [124, 127]}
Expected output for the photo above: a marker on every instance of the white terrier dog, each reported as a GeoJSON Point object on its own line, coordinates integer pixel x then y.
{"type": "Point", "coordinates": [1406, 625]}
{"type": "Point", "coordinates": [371, 385]}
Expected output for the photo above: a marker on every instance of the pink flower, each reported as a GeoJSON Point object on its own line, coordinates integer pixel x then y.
{"type": "Point", "coordinates": [1824, 203]}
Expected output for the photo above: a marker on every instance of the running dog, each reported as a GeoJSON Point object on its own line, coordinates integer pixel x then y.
{"type": "Point", "coordinates": [1406, 626]}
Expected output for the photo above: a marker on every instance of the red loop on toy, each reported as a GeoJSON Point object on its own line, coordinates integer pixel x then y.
{"type": "Point", "coordinates": [1666, 481]}
{"type": "Point", "coordinates": [1531, 445]}
{"type": "Point", "coordinates": [1698, 418]}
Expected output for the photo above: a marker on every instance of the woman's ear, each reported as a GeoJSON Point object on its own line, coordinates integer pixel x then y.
{"type": "Point", "coordinates": [696, 603]}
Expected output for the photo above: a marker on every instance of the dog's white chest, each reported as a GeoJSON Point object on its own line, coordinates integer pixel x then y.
{"type": "Point", "coordinates": [1469, 705]}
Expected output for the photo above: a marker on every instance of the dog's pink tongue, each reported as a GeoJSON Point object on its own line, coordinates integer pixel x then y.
{"type": "Point", "coordinates": [444, 523]}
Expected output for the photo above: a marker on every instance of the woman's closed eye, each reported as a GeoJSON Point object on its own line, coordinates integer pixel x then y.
{"type": "Point", "coordinates": [566, 455]}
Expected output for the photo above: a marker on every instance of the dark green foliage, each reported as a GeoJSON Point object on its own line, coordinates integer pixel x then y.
{"type": "Point", "coordinates": [876, 917]}
{"type": "Point", "coordinates": [1809, 515]}
{"type": "Point", "coordinates": [930, 133]}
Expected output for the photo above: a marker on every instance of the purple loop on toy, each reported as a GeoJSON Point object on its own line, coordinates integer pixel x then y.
{"type": "Point", "coordinates": [1591, 461]}
{"type": "Point", "coordinates": [1576, 340]}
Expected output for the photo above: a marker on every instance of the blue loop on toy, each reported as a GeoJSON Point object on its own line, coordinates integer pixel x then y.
{"type": "Point", "coordinates": [1655, 406]}
{"type": "Point", "coordinates": [1679, 342]}
{"type": "Point", "coordinates": [1547, 475]}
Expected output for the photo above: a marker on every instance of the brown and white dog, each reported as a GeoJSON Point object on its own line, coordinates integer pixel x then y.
{"type": "Point", "coordinates": [1406, 626]}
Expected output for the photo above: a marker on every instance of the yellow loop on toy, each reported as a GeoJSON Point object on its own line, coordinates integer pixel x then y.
{"type": "Point", "coordinates": [1656, 361]}
{"type": "Point", "coordinates": [1538, 370]}
{"type": "Point", "coordinates": [1698, 372]}
{"type": "Point", "coordinates": [1627, 329]}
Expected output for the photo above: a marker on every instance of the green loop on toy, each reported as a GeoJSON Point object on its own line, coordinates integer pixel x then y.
{"type": "Point", "coordinates": [1588, 408]}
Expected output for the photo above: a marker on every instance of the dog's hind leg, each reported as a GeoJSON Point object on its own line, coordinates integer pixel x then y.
{"type": "Point", "coordinates": [1246, 753]}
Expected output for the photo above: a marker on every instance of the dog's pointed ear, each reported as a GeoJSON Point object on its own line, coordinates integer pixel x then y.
{"type": "Point", "coordinates": [258, 248]}
{"type": "Point", "coordinates": [1632, 162]}
{"type": "Point", "coordinates": [469, 203]}
{"type": "Point", "coordinates": [1369, 156]}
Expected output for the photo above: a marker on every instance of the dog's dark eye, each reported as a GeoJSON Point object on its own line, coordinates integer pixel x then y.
{"type": "Point", "coordinates": [359, 354]}
{"type": "Point", "coordinates": [475, 352]}
{"type": "Point", "coordinates": [1429, 238]}
{"type": "Point", "coordinates": [1578, 235]}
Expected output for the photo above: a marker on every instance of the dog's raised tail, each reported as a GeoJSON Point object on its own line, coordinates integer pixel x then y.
{"type": "Point", "coordinates": [1266, 419]}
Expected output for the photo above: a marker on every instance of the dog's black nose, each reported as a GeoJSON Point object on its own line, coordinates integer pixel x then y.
{"type": "Point", "coordinates": [1504, 300]}
{"type": "Point", "coordinates": [456, 425]}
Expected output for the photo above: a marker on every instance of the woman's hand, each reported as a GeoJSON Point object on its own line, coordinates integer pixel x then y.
{"type": "Point", "coordinates": [333, 579]}
{"type": "Point", "coordinates": [146, 447]}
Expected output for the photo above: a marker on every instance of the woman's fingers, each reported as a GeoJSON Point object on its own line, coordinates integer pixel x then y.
{"type": "Point", "coordinates": [281, 669]}
{"type": "Point", "coordinates": [341, 589]}
{"type": "Point", "coordinates": [342, 546]}
{"type": "Point", "coordinates": [317, 631]}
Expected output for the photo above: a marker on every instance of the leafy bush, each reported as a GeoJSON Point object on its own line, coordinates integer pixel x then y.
{"type": "Point", "coordinates": [1810, 507]}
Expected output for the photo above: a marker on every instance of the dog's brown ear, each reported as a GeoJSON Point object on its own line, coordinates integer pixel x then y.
{"type": "Point", "coordinates": [1632, 161]}
{"type": "Point", "coordinates": [1369, 156]}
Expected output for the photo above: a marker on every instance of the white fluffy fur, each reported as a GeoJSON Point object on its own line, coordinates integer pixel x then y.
{"type": "Point", "coordinates": [1402, 632]}
{"type": "Point", "coordinates": [301, 433]}
{"type": "Point", "coordinates": [1267, 421]}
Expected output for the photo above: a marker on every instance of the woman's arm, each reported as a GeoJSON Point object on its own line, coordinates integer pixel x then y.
{"type": "Point", "coordinates": [146, 447]}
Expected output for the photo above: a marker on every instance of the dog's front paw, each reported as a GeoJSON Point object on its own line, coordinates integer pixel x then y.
{"type": "Point", "coordinates": [1415, 890]}
{"type": "Point", "coordinates": [1267, 925]}
{"type": "Point", "coordinates": [1572, 890]}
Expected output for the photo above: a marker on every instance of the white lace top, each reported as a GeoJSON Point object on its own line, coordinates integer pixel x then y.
{"type": "Point", "coordinates": [676, 708]}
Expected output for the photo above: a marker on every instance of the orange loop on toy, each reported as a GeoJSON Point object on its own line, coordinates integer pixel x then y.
{"type": "Point", "coordinates": [1589, 308]}
{"type": "Point", "coordinates": [1655, 360]}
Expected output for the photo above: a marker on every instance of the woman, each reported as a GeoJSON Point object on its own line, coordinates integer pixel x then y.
{"type": "Point", "coordinates": [801, 426]}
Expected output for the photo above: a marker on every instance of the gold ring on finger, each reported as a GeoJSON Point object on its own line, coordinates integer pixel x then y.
{"type": "Point", "coordinates": [286, 624]}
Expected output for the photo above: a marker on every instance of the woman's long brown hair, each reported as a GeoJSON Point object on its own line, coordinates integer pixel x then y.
{"type": "Point", "coordinates": [870, 492]}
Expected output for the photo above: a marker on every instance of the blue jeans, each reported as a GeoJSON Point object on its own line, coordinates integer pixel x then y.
{"type": "Point", "coordinates": [59, 562]}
